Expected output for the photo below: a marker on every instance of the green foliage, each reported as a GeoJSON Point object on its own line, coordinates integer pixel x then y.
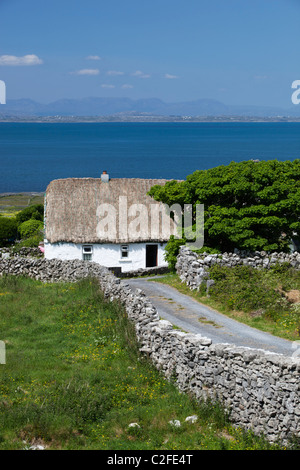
{"type": "Point", "coordinates": [28, 223]}
{"type": "Point", "coordinates": [248, 205]}
{"type": "Point", "coordinates": [172, 250]}
{"type": "Point", "coordinates": [8, 230]}
{"type": "Point", "coordinates": [35, 212]}
{"type": "Point", "coordinates": [208, 250]}
{"type": "Point", "coordinates": [250, 290]}
{"type": "Point", "coordinates": [30, 242]}
{"type": "Point", "coordinates": [30, 228]}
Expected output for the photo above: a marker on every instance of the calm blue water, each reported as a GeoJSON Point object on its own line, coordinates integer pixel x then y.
{"type": "Point", "coordinates": [33, 154]}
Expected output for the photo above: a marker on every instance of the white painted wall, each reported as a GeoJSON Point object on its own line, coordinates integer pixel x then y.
{"type": "Point", "coordinates": [108, 255]}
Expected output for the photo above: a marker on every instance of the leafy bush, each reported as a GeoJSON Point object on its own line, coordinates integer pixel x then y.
{"type": "Point", "coordinates": [30, 227]}
{"type": "Point", "coordinates": [8, 230]}
{"type": "Point", "coordinates": [280, 268]}
{"type": "Point", "coordinates": [246, 289]}
{"type": "Point", "coordinates": [35, 212]}
{"type": "Point", "coordinates": [30, 242]}
{"type": "Point", "coordinates": [172, 250]}
{"type": "Point", "coordinates": [209, 250]}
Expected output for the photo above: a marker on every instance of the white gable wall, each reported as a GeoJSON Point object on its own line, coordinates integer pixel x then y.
{"type": "Point", "coordinates": [108, 255]}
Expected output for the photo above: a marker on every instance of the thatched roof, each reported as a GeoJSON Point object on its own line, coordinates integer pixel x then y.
{"type": "Point", "coordinates": [72, 211]}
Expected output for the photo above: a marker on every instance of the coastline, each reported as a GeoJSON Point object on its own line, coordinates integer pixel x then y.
{"type": "Point", "coordinates": [20, 193]}
{"type": "Point", "coordinates": [145, 119]}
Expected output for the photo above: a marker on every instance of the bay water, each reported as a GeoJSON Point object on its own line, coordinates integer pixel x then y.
{"type": "Point", "coordinates": [33, 154]}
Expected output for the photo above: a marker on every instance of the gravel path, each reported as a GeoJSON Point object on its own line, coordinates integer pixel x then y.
{"type": "Point", "coordinates": [188, 314]}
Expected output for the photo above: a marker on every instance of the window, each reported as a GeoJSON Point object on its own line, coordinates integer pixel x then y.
{"type": "Point", "coordinates": [124, 251]}
{"type": "Point", "coordinates": [87, 252]}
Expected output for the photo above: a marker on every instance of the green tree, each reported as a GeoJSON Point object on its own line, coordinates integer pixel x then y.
{"type": "Point", "coordinates": [30, 228]}
{"type": "Point", "coordinates": [248, 205]}
{"type": "Point", "coordinates": [8, 230]}
{"type": "Point", "coordinates": [35, 212]}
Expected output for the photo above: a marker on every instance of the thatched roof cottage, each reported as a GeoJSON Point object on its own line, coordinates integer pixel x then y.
{"type": "Point", "coordinates": [110, 221]}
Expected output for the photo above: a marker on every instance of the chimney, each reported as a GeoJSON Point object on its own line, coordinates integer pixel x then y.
{"type": "Point", "coordinates": [104, 177]}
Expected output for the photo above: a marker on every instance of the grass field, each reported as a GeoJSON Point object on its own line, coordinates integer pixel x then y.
{"type": "Point", "coordinates": [11, 204]}
{"type": "Point", "coordinates": [74, 379]}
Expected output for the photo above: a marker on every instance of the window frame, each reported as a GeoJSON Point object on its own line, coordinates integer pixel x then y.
{"type": "Point", "coordinates": [124, 248]}
{"type": "Point", "coordinates": [87, 255]}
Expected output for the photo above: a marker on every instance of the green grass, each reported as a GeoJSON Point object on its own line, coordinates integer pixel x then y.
{"type": "Point", "coordinates": [10, 205]}
{"type": "Point", "coordinates": [255, 297]}
{"type": "Point", "coordinates": [74, 379]}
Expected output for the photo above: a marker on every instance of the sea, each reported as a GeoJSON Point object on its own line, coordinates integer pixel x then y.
{"type": "Point", "coordinates": [33, 154]}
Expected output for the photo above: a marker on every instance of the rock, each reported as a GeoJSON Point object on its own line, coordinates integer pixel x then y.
{"type": "Point", "coordinates": [209, 283]}
{"type": "Point", "coordinates": [165, 324]}
{"type": "Point", "coordinates": [191, 419]}
{"type": "Point", "coordinates": [175, 422]}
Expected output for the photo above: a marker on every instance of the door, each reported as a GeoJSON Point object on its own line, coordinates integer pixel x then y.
{"type": "Point", "coordinates": [151, 256]}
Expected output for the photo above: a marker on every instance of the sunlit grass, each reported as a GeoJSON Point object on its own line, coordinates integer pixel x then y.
{"type": "Point", "coordinates": [74, 379]}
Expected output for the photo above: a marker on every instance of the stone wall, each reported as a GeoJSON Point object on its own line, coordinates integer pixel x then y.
{"type": "Point", "coordinates": [144, 272]}
{"type": "Point", "coordinates": [51, 270]}
{"type": "Point", "coordinates": [24, 251]}
{"type": "Point", "coordinates": [192, 268]}
{"type": "Point", "coordinates": [259, 389]}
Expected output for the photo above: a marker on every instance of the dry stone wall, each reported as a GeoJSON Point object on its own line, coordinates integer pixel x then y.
{"type": "Point", "coordinates": [259, 389]}
{"type": "Point", "coordinates": [23, 251]}
{"type": "Point", "coordinates": [192, 268]}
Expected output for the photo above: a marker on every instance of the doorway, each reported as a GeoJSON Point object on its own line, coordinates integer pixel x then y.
{"type": "Point", "coordinates": [151, 256]}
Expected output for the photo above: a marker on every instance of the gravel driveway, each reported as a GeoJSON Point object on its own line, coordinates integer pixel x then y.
{"type": "Point", "coordinates": [188, 314]}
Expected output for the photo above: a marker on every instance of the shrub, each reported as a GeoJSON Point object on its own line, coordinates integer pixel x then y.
{"type": "Point", "coordinates": [8, 230]}
{"type": "Point", "coordinates": [280, 268]}
{"type": "Point", "coordinates": [172, 250]}
{"type": "Point", "coordinates": [35, 212]}
{"type": "Point", "coordinates": [30, 227]}
{"type": "Point", "coordinates": [30, 242]}
{"type": "Point", "coordinates": [208, 250]}
{"type": "Point", "coordinates": [245, 288]}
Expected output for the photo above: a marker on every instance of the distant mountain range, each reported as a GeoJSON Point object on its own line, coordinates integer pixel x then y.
{"type": "Point", "coordinates": [94, 106]}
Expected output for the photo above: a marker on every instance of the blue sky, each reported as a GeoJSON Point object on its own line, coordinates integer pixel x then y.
{"type": "Point", "coordinates": [235, 51]}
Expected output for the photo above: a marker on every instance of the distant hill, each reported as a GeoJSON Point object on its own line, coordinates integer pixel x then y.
{"type": "Point", "coordinates": [95, 106]}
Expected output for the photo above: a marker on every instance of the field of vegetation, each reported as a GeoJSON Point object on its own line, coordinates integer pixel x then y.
{"type": "Point", "coordinates": [11, 204]}
{"type": "Point", "coordinates": [74, 379]}
{"type": "Point", "coordinates": [21, 220]}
